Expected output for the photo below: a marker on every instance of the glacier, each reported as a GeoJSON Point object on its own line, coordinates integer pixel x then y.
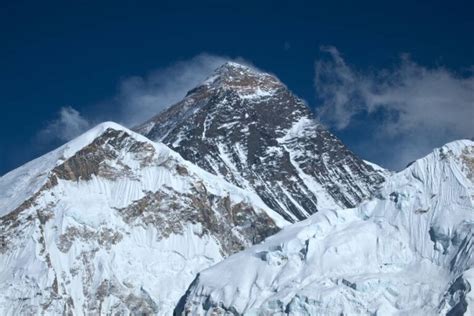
{"type": "Point", "coordinates": [407, 252]}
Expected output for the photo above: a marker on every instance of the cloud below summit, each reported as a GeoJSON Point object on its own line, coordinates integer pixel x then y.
{"type": "Point", "coordinates": [415, 108]}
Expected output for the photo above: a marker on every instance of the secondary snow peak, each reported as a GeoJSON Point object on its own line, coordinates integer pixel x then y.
{"type": "Point", "coordinates": [101, 223]}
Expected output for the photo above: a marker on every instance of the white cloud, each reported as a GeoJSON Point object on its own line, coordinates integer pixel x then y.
{"type": "Point", "coordinates": [69, 124]}
{"type": "Point", "coordinates": [418, 107]}
{"type": "Point", "coordinates": [141, 97]}
{"type": "Point", "coordinates": [138, 98]}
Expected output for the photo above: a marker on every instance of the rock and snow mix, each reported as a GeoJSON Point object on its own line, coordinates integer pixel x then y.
{"type": "Point", "coordinates": [247, 127]}
{"type": "Point", "coordinates": [408, 252]}
{"type": "Point", "coordinates": [112, 222]}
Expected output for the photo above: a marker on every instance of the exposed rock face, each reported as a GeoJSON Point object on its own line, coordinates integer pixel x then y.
{"type": "Point", "coordinates": [384, 257]}
{"type": "Point", "coordinates": [236, 225]}
{"type": "Point", "coordinates": [247, 127]}
{"type": "Point", "coordinates": [117, 224]}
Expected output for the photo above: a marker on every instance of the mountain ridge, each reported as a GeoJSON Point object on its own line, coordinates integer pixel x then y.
{"type": "Point", "coordinates": [110, 217]}
{"type": "Point", "coordinates": [238, 176]}
{"type": "Point", "coordinates": [409, 251]}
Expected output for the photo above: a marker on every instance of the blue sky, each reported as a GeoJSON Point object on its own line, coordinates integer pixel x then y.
{"type": "Point", "coordinates": [76, 59]}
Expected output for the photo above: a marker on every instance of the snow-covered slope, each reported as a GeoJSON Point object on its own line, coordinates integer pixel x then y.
{"type": "Point", "coordinates": [114, 223]}
{"type": "Point", "coordinates": [247, 127]}
{"type": "Point", "coordinates": [407, 252]}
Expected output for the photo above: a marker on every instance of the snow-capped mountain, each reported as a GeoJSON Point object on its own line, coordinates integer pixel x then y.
{"type": "Point", "coordinates": [113, 223]}
{"type": "Point", "coordinates": [407, 252]}
{"type": "Point", "coordinates": [247, 127]}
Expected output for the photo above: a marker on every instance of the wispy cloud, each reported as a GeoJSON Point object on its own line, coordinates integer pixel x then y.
{"type": "Point", "coordinates": [138, 98]}
{"type": "Point", "coordinates": [141, 97]}
{"type": "Point", "coordinates": [67, 125]}
{"type": "Point", "coordinates": [415, 107]}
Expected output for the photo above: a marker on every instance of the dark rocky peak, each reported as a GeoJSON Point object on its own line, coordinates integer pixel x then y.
{"type": "Point", "coordinates": [248, 128]}
{"type": "Point", "coordinates": [232, 85]}
{"type": "Point", "coordinates": [246, 80]}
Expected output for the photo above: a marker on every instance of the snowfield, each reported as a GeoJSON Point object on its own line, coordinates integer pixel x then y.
{"type": "Point", "coordinates": [408, 252]}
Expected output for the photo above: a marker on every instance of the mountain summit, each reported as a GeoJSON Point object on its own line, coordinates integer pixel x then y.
{"type": "Point", "coordinates": [248, 81]}
{"type": "Point", "coordinates": [247, 127]}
